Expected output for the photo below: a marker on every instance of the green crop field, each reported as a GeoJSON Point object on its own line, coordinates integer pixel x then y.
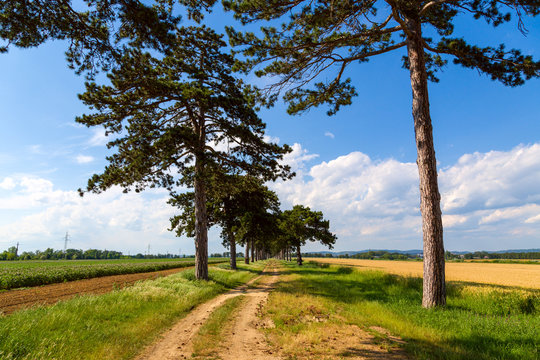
{"type": "Point", "coordinates": [15, 274]}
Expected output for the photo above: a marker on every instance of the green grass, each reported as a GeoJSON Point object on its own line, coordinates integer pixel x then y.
{"type": "Point", "coordinates": [15, 274]}
{"type": "Point", "coordinates": [479, 322]}
{"type": "Point", "coordinates": [116, 325]}
{"type": "Point", "coordinates": [209, 337]}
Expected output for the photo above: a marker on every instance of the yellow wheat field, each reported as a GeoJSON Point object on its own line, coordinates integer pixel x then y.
{"type": "Point", "coordinates": [521, 275]}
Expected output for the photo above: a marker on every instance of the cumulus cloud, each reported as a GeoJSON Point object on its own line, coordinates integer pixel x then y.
{"type": "Point", "coordinates": [84, 159]}
{"type": "Point", "coordinates": [298, 157]}
{"type": "Point", "coordinates": [112, 220]}
{"type": "Point", "coordinates": [487, 198]}
{"type": "Point", "coordinates": [492, 180]}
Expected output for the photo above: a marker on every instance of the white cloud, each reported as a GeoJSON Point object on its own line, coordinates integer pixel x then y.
{"type": "Point", "coordinates": [297, 158]}
{"type": "Point", "coordinates": [98, 137]}
{"type": "Point", "coordinates": [329, 134]}
{"type": "Point", "coordinates": [488, 199]}
{"type": "Point", "coordinates": [492, 180]}
{"type": "Point", "coordinates": [84, 159]}
{"type": "Point", "coordinates": [7, 184]}
{"type": "Point", "coordinates": [271, 139]}
{"type": "Point", "coordinates": [112, 220]}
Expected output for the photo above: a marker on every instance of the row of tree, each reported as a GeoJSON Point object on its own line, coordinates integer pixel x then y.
{"type": "Point", "coordinates": [51, 254]}
{"type": "Point", "coordinates": [180, 118]}
{"type": "Point", "coordinates": [491, 255]}
{"type": "Point", "coordinates": [249, 215]}
{"type": "Point", "coordinates": [79, 254]}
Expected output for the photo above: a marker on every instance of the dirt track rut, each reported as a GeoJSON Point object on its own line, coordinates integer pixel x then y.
{"type": "Point", "coordinates": [244, 339]}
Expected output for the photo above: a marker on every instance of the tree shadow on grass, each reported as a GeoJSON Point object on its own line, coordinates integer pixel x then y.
{"type": "Point", "coordinates": [474, 347]}
{"type": "Point", "coordinates": [469, 342]}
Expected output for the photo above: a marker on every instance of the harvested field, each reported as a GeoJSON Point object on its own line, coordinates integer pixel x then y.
{"type": "Point", "coordinates": [14, 300]}
{"type": "Point", "coordinates": [513, 275]}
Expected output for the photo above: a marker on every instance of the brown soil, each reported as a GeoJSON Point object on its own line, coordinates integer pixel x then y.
{"type": "Point", "coordinates": [14, 300]}
{"type": "Point", "coordinates": [245, 340]}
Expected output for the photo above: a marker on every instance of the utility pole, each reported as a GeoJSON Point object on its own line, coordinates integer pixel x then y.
{"type": "Point", "coordinates": [17, 250]}
{"type": "Point", "coordinates": [66, 239]}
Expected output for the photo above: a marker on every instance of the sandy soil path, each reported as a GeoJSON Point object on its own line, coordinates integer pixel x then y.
{"type": "Point", "coordinates": [177, 342]}
{"type": "Point", "coordinates": [17, 299]}
{"type": "Point", "coordinates": [245, 340]}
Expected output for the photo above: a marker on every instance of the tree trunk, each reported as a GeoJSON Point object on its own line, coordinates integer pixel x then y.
{"type": "Point", "coordinates": [246, 256]}
{"type": "Point", "coordinates": [232, 242]}
{"type": "Point", "coordinates": [201, 230]}
{"type": "Point", "coordinates": [298, 255]}
{"type": "Point", "coordinates": [252, 250]}
{"type": "Point", "coordinates": [434, 291]}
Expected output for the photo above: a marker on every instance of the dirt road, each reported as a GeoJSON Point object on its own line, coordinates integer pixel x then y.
{"type": "Point", "coordinates": [245, 340]}
{"type": "Point", "coordinates": [14, 300]}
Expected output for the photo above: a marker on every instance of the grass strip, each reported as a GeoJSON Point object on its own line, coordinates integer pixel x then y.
{"type": "Point", "coordinates": [15, 277]}
{"type": "Point", "coordinates": [480, 322]}
{"type": "Point", "coordinates": [116, 325]}
{"type": "Point", "coordinates": [209, 338]}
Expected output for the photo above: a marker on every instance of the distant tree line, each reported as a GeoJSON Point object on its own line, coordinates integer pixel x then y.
{"type": "Point", "coordinates": [491, 255]}
{"type": "Point", "coordinates": [369, 255]}
{"type": "Point", "coordinates": [386, 255]}
{"type": "Point", "coordinates": [92, 254]}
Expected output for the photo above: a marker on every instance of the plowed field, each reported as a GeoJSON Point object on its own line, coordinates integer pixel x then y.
{"type": "Point", "coordinates": [13, 300]}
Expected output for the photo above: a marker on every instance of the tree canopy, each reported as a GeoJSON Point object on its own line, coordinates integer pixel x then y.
{"type": "Point", "coordinates": [316, 37]}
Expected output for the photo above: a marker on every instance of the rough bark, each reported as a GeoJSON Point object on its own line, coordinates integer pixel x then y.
{"type": "Point", "coordinates": [246, 256]}
{"type": "Point", "coordinates": [232, 242]}
{"type": "Point", "coordinates": [434, 291]}
{"type": "Point", "coordinates": [201, 229]}
{"type": "Point", "coordinates": [298, 255]}
{"type": "Point", "coordinates": [252, 251]}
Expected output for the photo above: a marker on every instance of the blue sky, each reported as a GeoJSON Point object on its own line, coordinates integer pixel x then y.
{"type": "Point", "coordinates": [358, 166]}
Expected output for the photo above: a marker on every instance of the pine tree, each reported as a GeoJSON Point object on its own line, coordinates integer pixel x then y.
{"type": "Point", "coordinates": [301, 224]}
{"type": "Point", "coordinates": [319, 36]}
{"type": "Point", "coordinates": [95, 30]}
{"type": "Point", "coordinates": [173, 112]}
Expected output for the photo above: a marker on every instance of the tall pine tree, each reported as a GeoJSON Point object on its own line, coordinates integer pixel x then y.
{"type": "Point", "coordinates": [177, 115]}
{"type": "Point", "coordinates": [319, 36]}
